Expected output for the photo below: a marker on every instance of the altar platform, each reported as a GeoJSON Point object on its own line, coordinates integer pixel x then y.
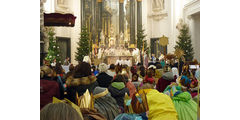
{"type": "Point", "coordinates": [113, 59]}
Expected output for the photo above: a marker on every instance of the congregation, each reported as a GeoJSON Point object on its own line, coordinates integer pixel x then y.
{"type": "Point", "coordinates": [161, 90]}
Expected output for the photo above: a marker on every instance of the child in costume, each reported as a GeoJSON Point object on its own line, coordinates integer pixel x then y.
{"type": "Point", "coordinates": [185, 106]}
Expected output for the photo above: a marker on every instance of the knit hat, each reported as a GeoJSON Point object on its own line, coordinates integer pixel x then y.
{"type": "Point", "coordinates": [100, 92]}
{"type": "Point", "coordinates": [103, 67]}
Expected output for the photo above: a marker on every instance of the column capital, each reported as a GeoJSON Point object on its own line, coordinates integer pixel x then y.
{"type": "Point", "coordinates": [121, 1]}
{"type": "Point", "coordinates": [139, 0]}
{"type": "Point", "coordinates": [99, 0]}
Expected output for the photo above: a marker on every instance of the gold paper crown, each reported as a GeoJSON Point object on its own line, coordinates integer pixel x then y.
{"type": "Point", "coordinates": [132, 46]}
{"type": "Point", "coordinates": [86, 100]}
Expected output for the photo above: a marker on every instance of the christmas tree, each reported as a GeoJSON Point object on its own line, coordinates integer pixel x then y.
{"type": "Point", "coordinates": [53, 49]}
{"type": "Point", "coordinates": [185, 43]}
{"type": "Point", "coordinates": [83, 45]}
{"type": "Point", "coordinates": [140, 38]}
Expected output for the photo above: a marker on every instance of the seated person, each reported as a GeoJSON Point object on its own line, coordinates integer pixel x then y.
{"type": "Point", "coordinates": [149, 78]}
{"type": "Point", "coordinates": [59, 111]}
{"type": "Point", "coordinates": [111, 70]}
{"type": "Point", "coordinates": [129, 85]}
{"type": "Point", "coordinates": [160, 106]}
{"type": "Point", "coordinates": [166, 79]}
{"type": "Point", "coordinates": [118, 90]}
{"type": "Point", "coordinates": [185, 106]}
{"type": "Point", "coordinates": [81, 80]}
{"type": "Point", "coordinates": [49, 87]}
{"type": "Point", "coordinates": [103, 79]}
{"type": "Point", "coordinates": [135, 80]}
{"type": "Point", "coordinates": [105, 103]}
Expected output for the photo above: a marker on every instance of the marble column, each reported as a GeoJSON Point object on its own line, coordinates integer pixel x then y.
{"type": "Point", "coordinates": [94, 21]}
{"type": "Point", "coordinates": [139, 14]}
{"type": "Point", "coordinates": [107, 24]}
{"type": "Point", "coordinates": [99, 12]}
{"type": "Point", "coordinates": [132, 21]}
{"type": "Point", "coordinates": [83, 23]}
{"type": "Point", "coordinates": [121, 17]}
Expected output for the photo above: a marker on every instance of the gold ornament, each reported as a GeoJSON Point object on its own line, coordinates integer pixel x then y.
{"type": "Point", "coordinates": [163, 41]}
{"type": "Point", "coordinates": [179, 53]}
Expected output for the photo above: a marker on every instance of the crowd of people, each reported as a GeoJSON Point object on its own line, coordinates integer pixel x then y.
{"type": "Point", "coordinates": [162, 90]}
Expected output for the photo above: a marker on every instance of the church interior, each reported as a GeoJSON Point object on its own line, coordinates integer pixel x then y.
{"type": "Point", "coordinates": [116, 23]}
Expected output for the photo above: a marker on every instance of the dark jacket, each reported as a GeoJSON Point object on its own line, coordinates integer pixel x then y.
{"type": "Point", "coordinates": [80, 85]}
{"type": "Point", "coordinates": [104, 80]}
{"type": "Point", "coordinates": [164, 81]}
{"type": "Point", "coordinates": [180, 67]}
{"type": "Point", "coordinates": [48, 90]}
{"type": "Point", "coordinates": [118, 93]}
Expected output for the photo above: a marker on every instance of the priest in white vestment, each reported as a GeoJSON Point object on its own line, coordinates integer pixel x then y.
{"type": "Point", "coordinates": [136, 55]}
{"type": "Point", "coordinates": [127, 62]}
{"type": "Point", "coordinates": [119, 61]}
{"type": "Point", "coordinates": [100, 52]}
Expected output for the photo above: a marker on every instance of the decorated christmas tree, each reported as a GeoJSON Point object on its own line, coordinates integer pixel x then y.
{"type": "Point", "coordinates": [83, 45]}
{"type": "Point", "coordinates": [53, 49]}
{"type": "Point", "coordinates": [140, 38]}
{"type": "Point", "coordinates": [185, 43]}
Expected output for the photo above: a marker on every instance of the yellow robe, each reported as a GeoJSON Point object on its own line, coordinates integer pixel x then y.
{"type": "Point", "coordinates": [160, 106]}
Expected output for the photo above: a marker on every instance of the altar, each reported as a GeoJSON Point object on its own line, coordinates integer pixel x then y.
{"type": "Point", "coordinates": [113, 59]}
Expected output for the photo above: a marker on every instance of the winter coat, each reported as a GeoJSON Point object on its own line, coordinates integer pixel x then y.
{"type": "Point", "coordinates": [118, 90]}
{"type": "Point", "coordinates": [48, 90]}
{"type": "Point", "coordinates": [80, 85]}
{"type": "Point", "coordinates": [104, 80]}
{"type": "Point", "coordinates": [164, 81]}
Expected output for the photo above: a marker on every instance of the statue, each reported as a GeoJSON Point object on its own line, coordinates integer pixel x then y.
{"type": "Point", "coordinates": [157, 5]}
{"type": "Point", "coordinates": [112, 31]}
{"type": "Point", "coordinates": [100, 53]}
{"type": "Point", "coordinates": [111, 42]}
{"type": "Point", "coordinates": [180, 24]}
{"type": "Point", "coordinates": [102, 37]}
{"type": "Point", "coordinates": [61, 2]}
{"type": "Point", "coordinates": [106, 40]}
{"type": "Point", "coordinates": [121, 38]}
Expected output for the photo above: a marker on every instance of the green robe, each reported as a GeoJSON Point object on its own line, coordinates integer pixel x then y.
{"type": "Point", "coordinates": [185, 106]}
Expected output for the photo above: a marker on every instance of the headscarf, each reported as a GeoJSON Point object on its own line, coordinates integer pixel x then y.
{"type": "Point", "coordinates": [87, 59]}
{"type": "Point", "coordinates": [103, 67]}
{"type": "Point", "coordinates": [175, 71]}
